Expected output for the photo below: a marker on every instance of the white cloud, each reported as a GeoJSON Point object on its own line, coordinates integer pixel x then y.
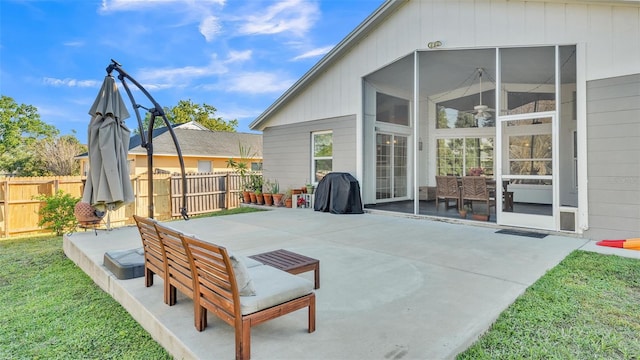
{"type": "Point", "coordinates": [258, 83]}
{"type": "Point", "coordinates": [125, 5]}
{"type": "Point", "coordinates": [295, 16]}
{"type": "Point", "coordinates": [180, 76]}
{"type": "Point", "coordinates": [313, 53]}
{"type": "Point", "coordinates": [74, 43]}
{"type": "Point", "coordinates": [237, 56]}
{"type": "Point", "coordinates": [70, 82]}
{"type": "Point", "coordinates": [209, 28]}
{"type": "Point", "coordinates": [197, 11]}
{"type": "Point", "coordinates": [238, 112]}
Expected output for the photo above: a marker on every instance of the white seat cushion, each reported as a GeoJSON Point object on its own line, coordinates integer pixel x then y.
{"type": "Point", "coordinates": [243, 278]}
{"type": "Point", "coordinates": [273, 287]}
{"type": "Point", "coordinates": [248, 262]}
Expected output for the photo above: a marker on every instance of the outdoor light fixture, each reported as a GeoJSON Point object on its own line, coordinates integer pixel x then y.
{"type": "Point", "coordinates": [434, 44]}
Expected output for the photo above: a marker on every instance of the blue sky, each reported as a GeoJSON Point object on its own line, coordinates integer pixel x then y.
{"type": "Point", "coordinates": [238, 56]}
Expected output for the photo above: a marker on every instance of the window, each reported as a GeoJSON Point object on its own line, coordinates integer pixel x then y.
{"type": "Point", "coordinates": [465, 156]}
{"type": "Point", "coordinates": [256, 166]}
{"type": "Point", "coordinates": [321, 154]}
{"type": "Point", "coordinates": [451, 118]}
{"type": "Point", "coordinates": [204, 166]}
{"type": "Point", "coordinates": [392, 110]}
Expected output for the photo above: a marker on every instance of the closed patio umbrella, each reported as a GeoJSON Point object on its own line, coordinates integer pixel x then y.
{"type": "Point", "coordinates": [108, 186]}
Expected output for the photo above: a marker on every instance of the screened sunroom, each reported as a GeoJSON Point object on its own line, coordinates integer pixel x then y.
{"type": "Point", "coordinates": [505, 114]}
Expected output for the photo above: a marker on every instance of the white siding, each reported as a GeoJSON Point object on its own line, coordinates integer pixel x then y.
{"type": "Point", "coordinates": [287, 150]}
{"type": "Point", "coordinates": [611, 34]}
{"type": "Point", "coordinates": [613, 150]}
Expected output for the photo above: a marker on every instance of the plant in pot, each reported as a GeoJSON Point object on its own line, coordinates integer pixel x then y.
{"type": "Point", "coordinates": [241, 168]}
{"type": "Point", "coordinates": [268, 193]}
{"type": "Point", "coordinates": [277, 196]}
{"type": "Point", "coordinates": [480, 216]}
{"type": "Point", "coordinates": [255, 183]}
{"type": "Point", "coordinates": [310, 188]}
{"type": "Point", "coordinates": [463, 211]}
{"type": "Point", "coordinates": [287, 198]}
{"type": "Point", "coordinates": [259, 197]}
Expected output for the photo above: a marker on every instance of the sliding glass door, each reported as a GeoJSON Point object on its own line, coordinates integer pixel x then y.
{"type": "Point", "coordinates": [391, 166]}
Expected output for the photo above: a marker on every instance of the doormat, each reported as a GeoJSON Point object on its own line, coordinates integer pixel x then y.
{"type": "Point", "coordinates": [522, 233]}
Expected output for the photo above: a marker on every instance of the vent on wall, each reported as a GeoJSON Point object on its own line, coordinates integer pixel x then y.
{"type": "Point", "coordinates": [568, 219]}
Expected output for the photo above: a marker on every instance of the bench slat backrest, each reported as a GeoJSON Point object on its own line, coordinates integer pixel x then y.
{"type": "Point", "coordinates": [178, 268]}
{"type": "Point", "coordinates": [153, 250]}
{"type": "Point", "coordinates": [215, 287]}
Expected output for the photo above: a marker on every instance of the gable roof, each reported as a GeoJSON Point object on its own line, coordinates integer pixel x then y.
{"type": "Point", "coordinates": [361, 31]}
{"type": "Point", "coordinates": [203, 143]}
{"type": "Point", "coordinates": [195, 140]}
{"type": "Point", "coordinates": [331, 57]}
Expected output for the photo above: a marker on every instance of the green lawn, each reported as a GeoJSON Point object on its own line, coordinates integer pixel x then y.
{"type": "Point", "coordinates": [52, 310]}
{"type": "Point", "coordinates": [587, 307]}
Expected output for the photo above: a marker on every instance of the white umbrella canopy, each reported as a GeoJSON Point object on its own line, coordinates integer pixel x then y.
{"type": "Point", "coordinates": [108, 186]}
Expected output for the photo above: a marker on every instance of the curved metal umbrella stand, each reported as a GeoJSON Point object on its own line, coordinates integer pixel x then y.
{"type": "Point", "coordinates": [147, 142]}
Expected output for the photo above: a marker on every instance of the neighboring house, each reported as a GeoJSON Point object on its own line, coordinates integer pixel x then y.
{"type": "Point", "coordinates": [412, 93]}
{"type": "Point", "coordinates": [203, 150]}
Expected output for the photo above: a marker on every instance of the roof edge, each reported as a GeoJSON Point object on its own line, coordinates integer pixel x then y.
{"type": "Point", "coordinates": [343, 46]}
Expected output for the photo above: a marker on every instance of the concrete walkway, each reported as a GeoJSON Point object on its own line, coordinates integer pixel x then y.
{"type": "Point", "coordinates": [391, 287]}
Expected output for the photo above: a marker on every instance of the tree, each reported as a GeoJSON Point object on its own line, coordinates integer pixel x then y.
{"type": "Point", "coordinates": [20, 129]}
{"type": "Point", "coordinates": [187, 111]}
{"type": "Point", "coordinates": [57, 155]}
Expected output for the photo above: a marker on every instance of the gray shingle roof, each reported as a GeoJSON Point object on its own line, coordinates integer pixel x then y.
{"type": "Point", "coordinates": [203, 143]}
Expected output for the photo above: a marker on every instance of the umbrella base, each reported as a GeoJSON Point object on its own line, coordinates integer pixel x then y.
{"type": "Point", "coordinates": [125, 264]}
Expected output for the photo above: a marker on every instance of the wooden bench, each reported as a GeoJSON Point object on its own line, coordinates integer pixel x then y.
{"type": "Point", "coordinates": [216, 290]}
{"type": "Point", "coordinates": [154, 256]}
{"type": "Point", "coordinates": [177, 268]}
{"type": "Point", "coordinates": [165, 256]}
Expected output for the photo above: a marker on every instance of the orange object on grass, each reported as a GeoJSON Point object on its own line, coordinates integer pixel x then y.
{"type": "Point", "coordinates": [632, 244]}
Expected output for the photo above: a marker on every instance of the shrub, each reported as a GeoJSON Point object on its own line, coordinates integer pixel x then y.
{"type": "Point", "coordinates": [57, 212]}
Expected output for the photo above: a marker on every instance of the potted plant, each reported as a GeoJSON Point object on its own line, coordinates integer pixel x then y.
{"type": "Point", "coordinates": [310, 188]}
{"type": "Point", "coordinates": [268, 193]}
{"type": "Point", "coordinates": [259, 197]}
{"type": "Point", "coordinates": [480, 217]}
{"type": "Point", "coordinates": [277, 196]}
{"type": "Point", "coordinates": [287, 198]}
{"type": "Point", "coordinates": [463, 211]}
{"type": "Point", "coordinates": [255, 184]}
{"type": "Point", "coordinates": [241, 168]}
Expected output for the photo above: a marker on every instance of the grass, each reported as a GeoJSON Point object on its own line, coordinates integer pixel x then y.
{"type": "Point", "coordinates": [52, 310]}
{"type": "Point", "coordinates": [587, 307]}
{"type": "Point", "coordinates": [238, 210]}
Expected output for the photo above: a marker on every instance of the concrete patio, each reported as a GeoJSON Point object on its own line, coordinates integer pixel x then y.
{"type": "Point", "coordinates": [391, 287]}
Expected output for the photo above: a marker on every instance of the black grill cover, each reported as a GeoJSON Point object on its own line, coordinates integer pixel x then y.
{"type": "Point", "coordinates": [338, 193]}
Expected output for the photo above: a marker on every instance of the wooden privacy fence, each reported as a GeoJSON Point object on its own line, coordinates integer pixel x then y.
{"type": "Point", "coordinates": [206, 192]}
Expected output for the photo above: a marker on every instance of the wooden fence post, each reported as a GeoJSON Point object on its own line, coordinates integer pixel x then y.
{"type": "Point", "coordinates": [227, 196]}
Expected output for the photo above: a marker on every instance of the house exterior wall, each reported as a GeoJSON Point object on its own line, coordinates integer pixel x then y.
{"type": "Point", "coordinates": [613, 125]}
{"type": "Point", "coordinates": [470, 24]}
{"type": "Point", "coordinates": [287, 150]}
{"type": "Point", "coordinates": [607, 35]}
{"type": "Point", "coordinates": [172, 164]}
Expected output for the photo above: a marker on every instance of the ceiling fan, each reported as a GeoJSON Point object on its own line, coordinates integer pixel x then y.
{"type": "Point", "coordinates": [481, 111]}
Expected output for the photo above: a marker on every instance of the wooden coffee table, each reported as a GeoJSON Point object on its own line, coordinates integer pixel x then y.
{"type": "Point", "coordinates": [290, 262]}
